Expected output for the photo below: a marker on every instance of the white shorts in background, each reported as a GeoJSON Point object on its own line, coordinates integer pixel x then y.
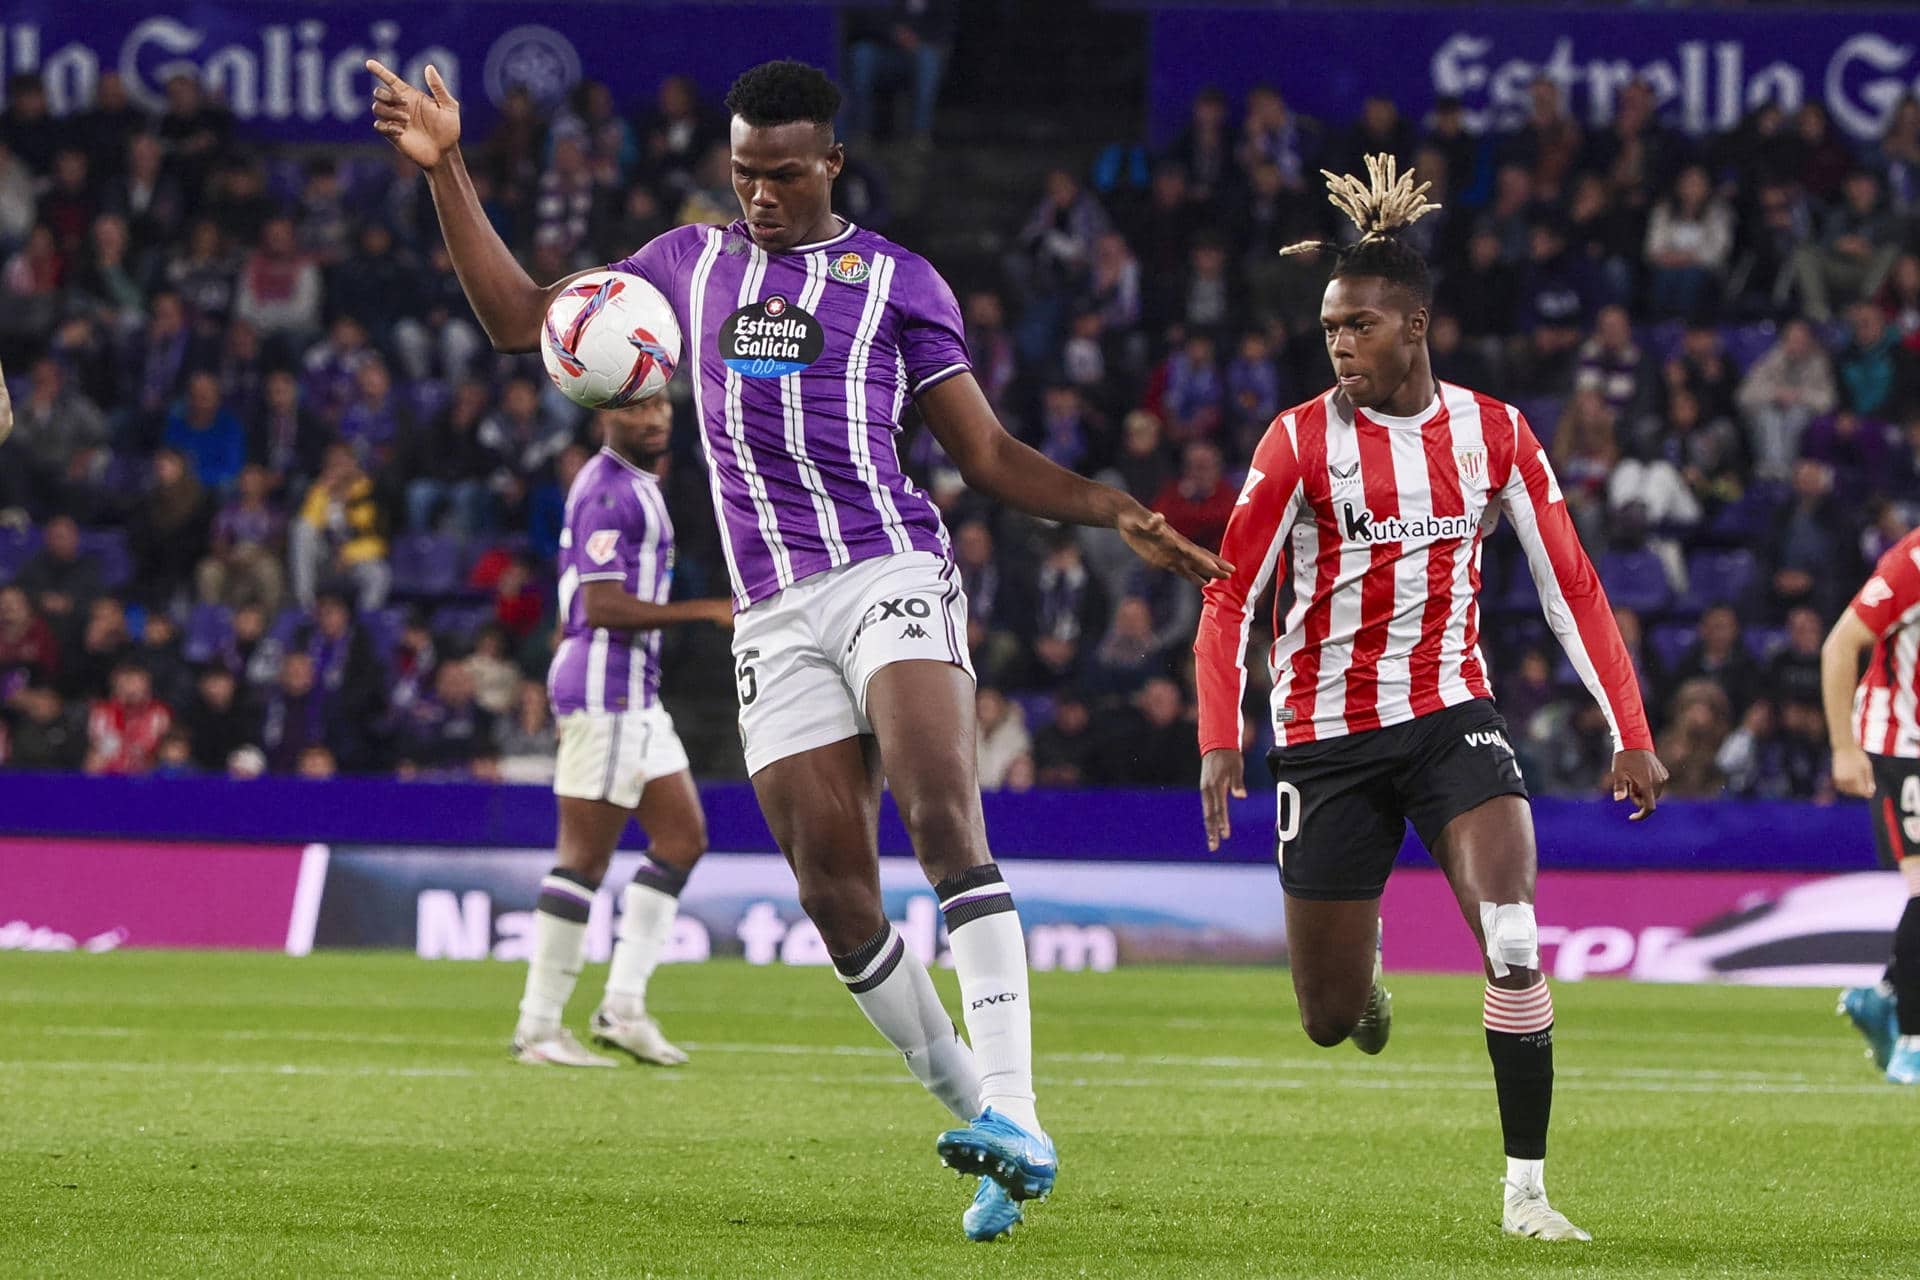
{"type": "Point", "coordinates": [613, 755]}
{"type": "Point", "coordinates": [803, 658]}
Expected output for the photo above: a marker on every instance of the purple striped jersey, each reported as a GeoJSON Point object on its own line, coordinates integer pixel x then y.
{"type": "Point", "coordinates": [617, 530]}
{"type": "Point", "coordinates": [801, 362]}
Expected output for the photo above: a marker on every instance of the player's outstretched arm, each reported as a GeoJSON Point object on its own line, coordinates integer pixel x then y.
{"type": "Point", "coordinates": [425, 128]}
{"type": "Point", "coordinates": [1576, 607]}
{"type": "Point", "coordinates": [994, 463]}
{"type": "Point", "coordinates": [608, 605]}
{"type": "Point", "coordinates": [1840, 657]}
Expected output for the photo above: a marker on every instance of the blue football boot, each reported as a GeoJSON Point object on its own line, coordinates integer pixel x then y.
{"type": "Point", "coordinates": [992, 1214]}
{"type": "Point", "coordinates": [1873, 1014]}
{"type": "Point", "coordinates": [995, 1147]}
{"type": "Point", "coordinates": [1903, 1067]}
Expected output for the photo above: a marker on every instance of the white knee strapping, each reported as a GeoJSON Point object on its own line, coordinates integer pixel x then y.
{"type": "Point", "coordinates": [1513, 939]}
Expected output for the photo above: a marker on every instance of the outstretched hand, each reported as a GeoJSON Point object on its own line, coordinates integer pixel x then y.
{"type": "Point", "coordinates": [1640, 777]}
{"type": "Point", "coordinates": [423, 127]}
{"type": "Point", "coordinates": [1222, 774]}
{"type": "Point", "coordinates": [1150, 537]}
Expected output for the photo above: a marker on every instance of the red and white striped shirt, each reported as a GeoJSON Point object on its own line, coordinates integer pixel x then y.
{"type": "Point", "coordinates": [1886, 710]}
{"type": "Point", "coordinates": [1382, 519]}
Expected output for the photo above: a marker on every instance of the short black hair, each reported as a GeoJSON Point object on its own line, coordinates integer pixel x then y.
{"type": "Point", "coordinates": [1391, 259]}
{"type": "Point", "coordinates": [784, 92]}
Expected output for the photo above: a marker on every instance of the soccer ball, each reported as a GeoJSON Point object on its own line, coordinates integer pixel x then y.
{"type": "Point", "coordinates": [610, 339]}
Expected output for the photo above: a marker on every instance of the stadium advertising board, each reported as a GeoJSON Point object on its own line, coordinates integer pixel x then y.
{"type": "Point", "coordinates": [1755, 927]}
{"type": "Point", "coordinates": [293, 71]}
{"type": "Point", "coordinates": [1708, 70]}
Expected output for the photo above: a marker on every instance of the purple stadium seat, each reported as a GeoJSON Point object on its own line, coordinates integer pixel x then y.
{"type": "Point", "coordinates": [460, 621]}
{"type": "Point", "coordinates": [1748, 342]}
{"type": "Point", "coordinates": [1764, 642]}
{"type": "Point", "coordinates": [208, 627]}
{"type": "Point", "coordinates": [383, 627]}
{"type": "Point", "coordinates": [1037, 708]}
{"type": "Point", "coordinates": [287, 624]}
{"type": "Point", "coordinates": [1542, 414]}
{"type": "Point", "coordinates": [1636, 580]}
{"type": "Point", "coordinates": [1719, 577]}
{"type": "Point", "coordinates": [428, 397]}
{"type": "Point", "coordinates": [1746, 520]}
{"type": "Point", "coordinates": [426, 564]}
{"type": "Point", "coordinates": [17, 546]}
{"type": "Point", "coordinates": [108, 547]}
{"type": "Point", "coordinates": [1670, 642]}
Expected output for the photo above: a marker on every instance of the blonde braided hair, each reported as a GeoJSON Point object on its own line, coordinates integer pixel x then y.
{"type": "Point", "coordinates": [1384, 204]}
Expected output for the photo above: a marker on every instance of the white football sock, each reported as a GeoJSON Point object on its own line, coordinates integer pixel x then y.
{"type": "Point", "coordinates": [1525, 1175]}
{"type": "Point", "coordinates": [990, 957]}
{"type": "Point", "coordinates": [896, 993]}
{"type": "Point", "coordinates": [552, 969]}
{"type": "Point", "coordinates": [646, 921]}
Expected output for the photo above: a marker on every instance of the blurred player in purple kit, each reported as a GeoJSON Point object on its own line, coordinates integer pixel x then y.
{"type": "Point", "coordinates": [806, 336]}
{"type": "Point", "coordinates": [619, 756]}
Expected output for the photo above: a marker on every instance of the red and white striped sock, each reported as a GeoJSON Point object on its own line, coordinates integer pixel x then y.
{"type": "Point", "coordinates": [1518, 1012]}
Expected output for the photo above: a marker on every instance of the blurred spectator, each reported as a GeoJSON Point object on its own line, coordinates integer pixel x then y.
{"type": "Point", "coordinates": [28, 648]}
{"type": "Point", "coordinates": [26, 127]}
{"type": "Point", "coordinates": [87, 672]}
{"type": "Point", "coordinates": [164, 356]}
{"type": "Point", "coordinates": [1793, 674]}
{"type": "Point", "coordinates": [341, 529]}
{"type": "Point", "coordinates": [1689, 239]}
{"type": "Point", "coordinates": [906, 45]}
{"type": "Point", "coordinates": [527, 742]}
{"type": "Point", "coordinates": [524, 438]}
{"type": "Point", "coordinates": [220, 719]}
{"type": "Point", "coordinates": [1787, 388]}
{"type": "Point", "coordinates": [518, 604]}
{"type": "Point", "coordinates": [195, 130]}
{"type": "Point", "coordinates": [207, 433]}
{"type": "Point", "coordinates": [1200, 501]}
{"type": "Point", "coordinates": [1697, 722]}
{"type": "Point", "coordinates": [381, 288]}
{"type": "Point", "coordinates": [1719, 655]}
{"type": "Point", "coordinates": [1205, 149]}
{"type": "Point", "coordinates": [1549, 142]}
{"type": "Point", "coordinates": [993, 605]}
{"type": "Point", "coordinates": [251, 653]}
{"type": "Point", "coordinates": [677, 133]}
{"type": "Point", "coordinates": [1150, 742]}
{"type": "Point", "coordinates": [1187, 392]}
{"type": "Point", "coordinates": [112, 277]}
{"type": "Point", "coordinates": [168, 531]}
{"type": "Point", "coordinates": [1271, 131]}
{"type": "Point", "coordinates": [62, 578]}
{"type": "Point", "coordinates": [288, 439]}
{"type": "Point", "coordinates": [67, 206]}
{"type": "Point", "coordinates": [142, 192]}
{"type": "Point", "coordinates": [447, 732]}
{"type": "Point", "coordinates": [1001, 737]}
{"type": "Point", "coordinates": [125, 728]}
{"type": "Point", "coordinates": [1063, 751]}
{"type": "Point", "coordinates": [1857, 247]}
{"type": "Point", "coordinates": [62, 435]}
{"type": "Point", "coordinates": [249, 539]}
{"type": "Point", "coordinates": [1129, 654]}
{"type": "Point", "coordinates": [349, 680]}
{"type": "Point", "coordinates": [451, 468]}
{"type": "Point", "coordinates": [375, 423]}
{"type": "Point", "coordinates": [294, 719]}
{"type": "Point", "coordinates": [316, 764]}
{"type": "Point", "coordinates": [45, 733]}
{"type": "Point", "coordinates": [16, 198]}
{"type": "Point", "coordinates": [1145, 466]}
{"type": "Point", "coordinates": [496, 680]}
{"type": "Point", "coordinates": [1812, 565]}
{"type": "Point", "coordinates": [1612, 363]}
{"type": "Point", "coordinates": [279, 292]}
{"type": "Point", "coordinates": [1069, 608]}
{"type": "Point", "coordinates": [1878, 377]}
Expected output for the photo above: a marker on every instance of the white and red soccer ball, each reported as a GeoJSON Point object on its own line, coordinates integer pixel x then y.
{"type": "Point", "coordinates": [610, 339]}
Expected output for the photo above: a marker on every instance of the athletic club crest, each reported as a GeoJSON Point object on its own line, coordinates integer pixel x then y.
{"type": "Point", "coordinates": [1472, 462]}
{"type": "Point", "coordinates": [848, 268]}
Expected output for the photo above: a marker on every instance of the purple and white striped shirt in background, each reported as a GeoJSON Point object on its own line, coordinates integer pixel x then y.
{"type": "Point", "coordinates": [801, 363]}
{"type": "Point", "coordinates": [617, 530]}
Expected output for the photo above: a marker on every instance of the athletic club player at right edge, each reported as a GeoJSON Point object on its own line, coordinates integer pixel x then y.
{"type": "Point", "coordinates": [1875, 734]}
{"type": "Point", "coordinates": [1379, 493]}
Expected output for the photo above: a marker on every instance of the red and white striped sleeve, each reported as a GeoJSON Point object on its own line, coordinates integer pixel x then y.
{"type": "Point", "coordinates": [1892, 595]}
{"type": "Point", "coordinates": [1256, 535]}
{"type": "Point", "coordinates": [1570, 592]}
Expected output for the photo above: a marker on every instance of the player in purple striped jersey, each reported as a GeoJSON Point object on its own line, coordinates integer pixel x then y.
{"type": "Point", "coordinates": [619, 756]}
{"type": "Point", "coordinates": [806, 336]}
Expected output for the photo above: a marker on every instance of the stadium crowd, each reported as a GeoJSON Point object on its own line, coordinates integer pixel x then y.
{"type": "Point", "coordinates": [273, 504]}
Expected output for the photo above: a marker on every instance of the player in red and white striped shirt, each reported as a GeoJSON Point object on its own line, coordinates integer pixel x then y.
{"type": "Point", "coordinates": [1378, 494]}
{"type": "Point", "coordinates": [1875, 733]}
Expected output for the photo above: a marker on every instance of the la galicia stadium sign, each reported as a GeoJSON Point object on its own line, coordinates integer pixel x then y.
{"type": "Point", "coordinates": [296, 72]}
{"type": "Point", "coordinates": [1708, 68]}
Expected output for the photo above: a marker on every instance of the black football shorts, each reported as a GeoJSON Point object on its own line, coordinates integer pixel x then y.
{"type": "Point", "coordinates": [1344, 804]}
{"type": "Point", "coordinates": [1896, 808]}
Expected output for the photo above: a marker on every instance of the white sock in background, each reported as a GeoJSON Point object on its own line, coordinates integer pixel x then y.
{"type": "Point", "coordinates": [990, 958]}
{"type": "Point", "coordinates": [646, 922]}
{"type": "Point", "coordinates": [559, 938]}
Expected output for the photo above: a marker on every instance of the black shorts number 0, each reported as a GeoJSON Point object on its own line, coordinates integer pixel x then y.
{"type": "Point", "coordinates": [1896, 808]}
{"type": "Point", "coordinates": [1343, 805]}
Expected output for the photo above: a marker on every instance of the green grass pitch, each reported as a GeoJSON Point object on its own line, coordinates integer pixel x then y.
{"type": "Point", "coordinates": [236, 1115]}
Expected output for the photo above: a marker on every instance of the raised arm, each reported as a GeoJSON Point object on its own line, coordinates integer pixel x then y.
{"type": "Point", "coordinates": [425, 128]}
{"type": "Point", "coordinates": [994, 463]}
{"type": "Point", "coordinates": [1840, 658]}
{"type": "Point", "coordinates": [1256, 535]}
{"type": "Point", "coordinates": [608, 605]}
{"type": "Point", "coordinates": [1577, 610]}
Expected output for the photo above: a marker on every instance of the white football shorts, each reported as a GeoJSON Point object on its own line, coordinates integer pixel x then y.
{"type": "Point", "coordinates": [613, 755]}
{"type": "Point", "coordinates": [803, 658]}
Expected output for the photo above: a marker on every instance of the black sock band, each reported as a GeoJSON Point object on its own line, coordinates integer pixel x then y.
{"type": "Point", "coordinates": [566, 894]}
{"type": "Point", "coordinates": [661, 877]}
{"type": "Point", "coordinates": [1523, 1079]}
{"type": "Point", "coordinates": [1904, 973]}
{"type": "Point", "coordinates": [973, 893]}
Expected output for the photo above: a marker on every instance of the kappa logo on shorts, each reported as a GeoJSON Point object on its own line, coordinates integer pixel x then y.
{"type": "Point", "coordinates": [915, 631]}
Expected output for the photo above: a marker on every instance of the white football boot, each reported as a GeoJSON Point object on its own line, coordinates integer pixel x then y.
{"type": "Point", "coordinates": [639, 1036]}
{"type": "Point", "coordinates": [1528, 1214]}
{"type": "Point", "coordinates": [555, 1048]}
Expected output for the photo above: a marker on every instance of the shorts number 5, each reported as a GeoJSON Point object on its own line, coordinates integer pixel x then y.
{"type": "Point", "coordinates": [743, 674]}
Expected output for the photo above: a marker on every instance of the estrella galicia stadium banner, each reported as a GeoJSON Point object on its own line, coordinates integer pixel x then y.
{"type": "Point", "coordinates": [1708, 67]}
{"type": "Point", "coordinates": [1780, 928]}
{"type": "Point", "coordinates": [293, 71]}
